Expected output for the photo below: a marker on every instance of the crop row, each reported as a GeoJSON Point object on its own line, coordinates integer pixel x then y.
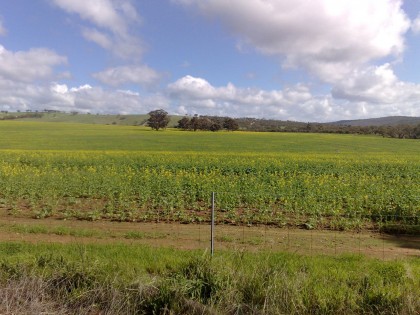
{"type": "Point", "coordinates": [177, 186]}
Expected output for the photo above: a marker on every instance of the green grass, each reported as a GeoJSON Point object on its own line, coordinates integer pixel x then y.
{"type": "Point", "coordinates": [139, 279]}
{"type": "Point", "coordinates": [57, 230]}
{"type": "Point", "coordinates": [73, 137]}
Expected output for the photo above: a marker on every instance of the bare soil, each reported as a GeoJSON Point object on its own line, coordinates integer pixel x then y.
{"type": "Point", "coordinates": [197, 236]}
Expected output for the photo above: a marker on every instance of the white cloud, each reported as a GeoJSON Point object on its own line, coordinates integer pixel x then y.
{"type": "Point", "coordinates": [101, 39]}
{"type": "Point", "coordinates": [103, 13]}
{"type": "Point", "coordinates": [330, 38]}
{"type": "Point", "coordinates": [197, 96]}
{"type": "Point", "coordinates": [85, 98]}
{"type": "Point", "coordinates": [338, 41]}
{"type": "Point", "coordinates": [415, 26]}
{"type": "Point", "coordinates": [141, 75]}
{"type": "Point", "coordinates": [114, 18]}
{"type": "Point", "coordinates": [27, 66]}
{"type": "Point", "coordinates": [379, 85]}
{"type": "Point", "coordinates": [96, 99]}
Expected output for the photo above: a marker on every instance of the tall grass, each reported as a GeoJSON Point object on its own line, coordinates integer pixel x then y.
{"type": "Point", "coordinates": [123, 279]}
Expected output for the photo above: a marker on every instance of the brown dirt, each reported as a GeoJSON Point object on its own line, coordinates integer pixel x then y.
{"type": "Point", "coordinates": [197, 236]}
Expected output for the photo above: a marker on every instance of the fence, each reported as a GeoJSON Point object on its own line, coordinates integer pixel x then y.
{"type": "Point", "coordinates": [240, 227]}
{"type": "Point", "coordinates": [387, 235]}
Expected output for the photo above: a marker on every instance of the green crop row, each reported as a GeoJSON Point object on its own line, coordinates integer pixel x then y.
{"type": "Point", "coordinates": [250, 187]}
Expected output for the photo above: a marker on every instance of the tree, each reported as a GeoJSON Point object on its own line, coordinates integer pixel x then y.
{"type": "Point", "coordinates": [230, 124]}
{"type": "Point", "coordinates": [184, 123]}
{"type": "Point", "coordinates": [204, 123]}
{"type": "Point", "coordinates": [215, 126]}
{"type": "Point", "coordinates": [158, 119]}
{"type": "Point", "coordinates": [195, 123]}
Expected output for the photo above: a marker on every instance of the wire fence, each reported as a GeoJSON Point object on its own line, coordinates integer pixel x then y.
{"type": "Point", "coordinates": [369, 242]}
{"type": "Point", "coordinates": [239, 227]}
{"type": "Point", "coordinates": [385, 236]}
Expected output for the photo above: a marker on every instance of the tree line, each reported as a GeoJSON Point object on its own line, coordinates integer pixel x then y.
{"type": "Point", "coordinates": [27, 115]}
{"type": "Point", "coordinates": [402, 131]}
{"type": "Point", "coordinates": [208, 123]}
{"type": "Point", "coordinates": [159, 119]}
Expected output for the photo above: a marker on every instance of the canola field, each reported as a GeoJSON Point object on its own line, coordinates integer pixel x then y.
{"type": "Point", "coordinates": [128, 173]}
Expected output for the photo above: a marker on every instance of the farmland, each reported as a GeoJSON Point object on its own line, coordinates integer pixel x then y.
{"type": "Point", "coordinates": [87, 213]}
{"type": "Point", "coordinates": [134, 174]}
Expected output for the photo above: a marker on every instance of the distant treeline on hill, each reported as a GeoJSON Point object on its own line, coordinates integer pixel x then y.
{"type": "Point", "coordinates": [212, 123]}
{"type": "Point", "coordinates": [391, 127]}
{"type": "Point", "coordinates": [215, 123]}
{"type": "Point", "coordinates": [20, 116]}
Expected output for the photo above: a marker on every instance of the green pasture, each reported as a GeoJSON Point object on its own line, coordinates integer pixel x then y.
{"type": "Point", "coordinates": [74, 137]}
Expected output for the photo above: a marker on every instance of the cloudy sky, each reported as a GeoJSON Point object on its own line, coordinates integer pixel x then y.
{"type": "Point", "coordinates": [306, 60]}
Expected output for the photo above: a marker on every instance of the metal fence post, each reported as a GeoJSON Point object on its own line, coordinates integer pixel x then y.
{"type": "Point", "coordinates": [212, 223]}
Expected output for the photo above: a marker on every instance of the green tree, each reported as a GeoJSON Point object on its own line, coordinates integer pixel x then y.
{"type": "Point", "coordinates": [158, 119]}
{"type": "Point", "coordinates": [184, 123]}
{"type": "Point", "coordinates": [230, 124]}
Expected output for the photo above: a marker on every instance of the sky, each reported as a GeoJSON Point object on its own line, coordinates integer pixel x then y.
{"type": "Point", "coordinates": [303, 60]}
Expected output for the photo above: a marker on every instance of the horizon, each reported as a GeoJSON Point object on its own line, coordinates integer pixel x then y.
{"type": "Point", "coordinates": [53, 111]}
{"type": "Point", "coordinates": [319, 61]}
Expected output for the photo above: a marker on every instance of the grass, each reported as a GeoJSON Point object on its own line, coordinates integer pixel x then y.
{"type": "Point", "coordinates": [58, 230]}
{"type": "Point", "coordinates": [63, 230]}
{"type": "Point", "coordinates": [127, 279]}
{"type": "Point", "coordinates": [84, 137]}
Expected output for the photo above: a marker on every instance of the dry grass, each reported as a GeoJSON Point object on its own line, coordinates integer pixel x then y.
{"type": "Point", "coordinates": [28, 296]}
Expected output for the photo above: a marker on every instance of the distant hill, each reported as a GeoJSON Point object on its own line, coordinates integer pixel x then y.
{"type": "Point", "coordinates": [382, 121]}
{"type": "Point", "coordinates": [127, 120]}
{"type": "Point", "coordinates": [244, 123]}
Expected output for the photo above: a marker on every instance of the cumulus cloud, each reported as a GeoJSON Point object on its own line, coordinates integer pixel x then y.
{"type": "Point", "coordinates": [83, 98]}
{"type": "Point", "coordinates": [338, 41]}
{"type": "Point", "coordinates": [197, 96]}
{"type": "Point", "coordinates": [379, 85]}
{"type": "Point", "coordinates": [96, 99]}
{"type": "Point", "coordinates": [330, 38]}
{"type": "Point", "coordinates": [141, 75]}
{"type": "Point", "coordinates": [27, 66]}
{"type": "Point", "coordinates": [107, 14]}
{"type": "Point", "coordinates": [111, 20]}
{"type": "Point", "coordinates": [415, 26]}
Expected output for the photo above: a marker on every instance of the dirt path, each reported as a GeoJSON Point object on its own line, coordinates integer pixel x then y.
{"type": "Point", "coordinates": [194, 236]}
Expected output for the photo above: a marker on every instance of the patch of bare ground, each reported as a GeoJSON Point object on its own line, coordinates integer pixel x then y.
{"type": "Point", "coordinates": [197, 236]}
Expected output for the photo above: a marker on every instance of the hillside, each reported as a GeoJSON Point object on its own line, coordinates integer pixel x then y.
{"type": "Point", "coordinates": [250, 124]}
{"type": "Point", "coordinates": [126, 120]}
{"type": "Point", "coordinates": [382, 121]}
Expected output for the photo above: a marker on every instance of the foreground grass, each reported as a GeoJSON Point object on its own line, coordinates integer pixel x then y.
{"type": "Point", "coordinates": [124, 279]}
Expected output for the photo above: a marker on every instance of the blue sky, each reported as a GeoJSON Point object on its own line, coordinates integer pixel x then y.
{"type": "Point", "coordinates": [318, 60]}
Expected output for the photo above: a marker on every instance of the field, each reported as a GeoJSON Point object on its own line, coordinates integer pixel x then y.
{"type": "Point", "coordinates": [107, 192]}
{"type": "Point", "coordinates": [134, 174]}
